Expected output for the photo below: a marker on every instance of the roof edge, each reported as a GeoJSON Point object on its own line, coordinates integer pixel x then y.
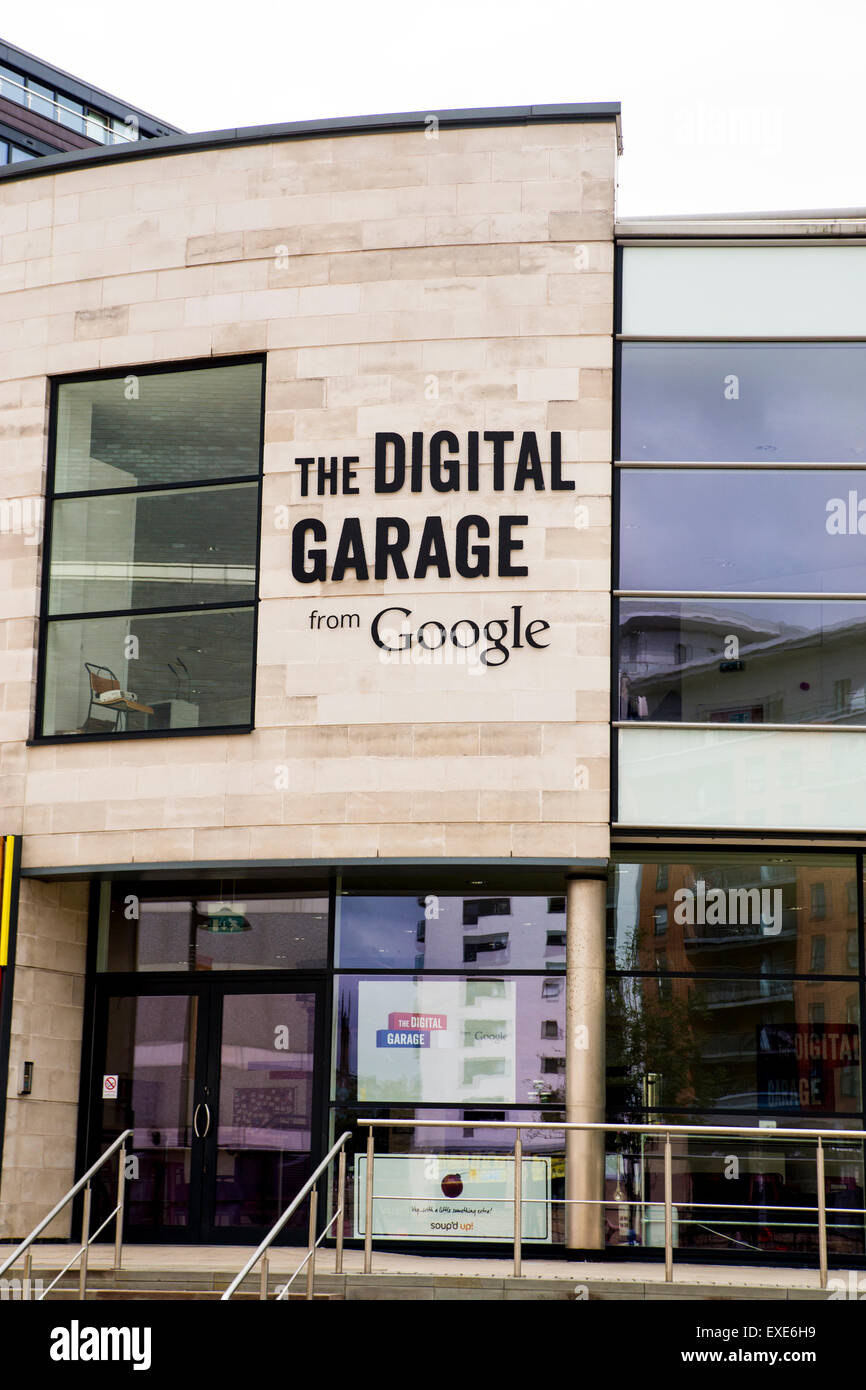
{"type": "Point", "coordinates": [329, 126]}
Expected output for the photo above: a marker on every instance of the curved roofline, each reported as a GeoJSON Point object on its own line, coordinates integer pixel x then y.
{"type": "Point", "coordinates": [296, 130]}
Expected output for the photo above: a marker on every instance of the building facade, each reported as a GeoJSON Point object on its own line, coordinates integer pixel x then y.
{"type": "Point", "coordinates": [45, 111]}
{"type": "Point", "coordinates": [311, 659]}
{"type": "Point", "coordinates": [431, 685]}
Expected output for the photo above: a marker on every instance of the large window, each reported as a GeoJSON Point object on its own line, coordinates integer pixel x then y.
{"type": "Point", "coordinates": [151, 573]}
{"type": "Point", "coordinates": [754, 1006]}
{"type": "Point", "coordinates": [741, 588]}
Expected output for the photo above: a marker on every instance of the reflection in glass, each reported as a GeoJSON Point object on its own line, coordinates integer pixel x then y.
{"type": "Point", "coordinates": [735, 1206]}
{"type": "Point", "coordinates": [158, 427]}
{"type": "Point", "coordinates": [157, 671]}
{"type": "Point", "coordinates": [732, 913]}
{"type": "Point", "coordinates": [727, 661]}
{"type": "Point", "coordinates": [734, 1044]}
{"type": "Point", "coordinates": [450, 931]}
{"type": "Point", "coordinates": [715, 530]}
{"type": "Point", "coordinates": [265, 1107]}
{"type": "Point", "coordinates": [744, 402]}
{"type": "Point", "coordinates": [153, 549]}
{"type": "Point", "coordinates": [473, 1040]}
{"type": "Point", "coordinates": [247, 929]}
{"type": "Point", "coordinates": [456, 1154]}
{"type": "Point", "coordinates": [151, 1049]}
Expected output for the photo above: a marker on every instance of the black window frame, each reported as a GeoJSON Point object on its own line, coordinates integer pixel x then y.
{"type": "Point", "coordinates": [45, 618]}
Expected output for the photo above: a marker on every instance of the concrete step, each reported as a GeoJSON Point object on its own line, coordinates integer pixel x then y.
{"type": "Point", "coordinates": [571, 1285]}
{"type": "Point", "coordinates": [163, 1295]}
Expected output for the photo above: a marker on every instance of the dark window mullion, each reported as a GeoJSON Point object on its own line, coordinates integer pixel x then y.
{"type": "Point", "coordinates": [238, 480]}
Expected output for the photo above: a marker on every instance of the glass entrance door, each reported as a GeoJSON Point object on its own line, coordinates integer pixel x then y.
{"type": "Point", "coordinates": [262, 1125]}
{"type": "Point", "coordinates": [218, 1083]}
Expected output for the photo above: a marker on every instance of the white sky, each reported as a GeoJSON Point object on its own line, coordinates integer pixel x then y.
{"type": "Point", "coordinates": [728, 107]}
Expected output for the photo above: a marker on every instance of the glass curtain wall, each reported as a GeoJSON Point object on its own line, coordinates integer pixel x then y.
{"type": "Point", "coordinates": [735, 994]}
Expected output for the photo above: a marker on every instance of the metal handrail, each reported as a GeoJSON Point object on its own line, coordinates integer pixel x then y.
{"type": "Point", "coordinates": [666, 1130]}
{"type": "Point", "coordinates": [86, 1239]}
{"type": "Point", "coordinates": [309, 1260]}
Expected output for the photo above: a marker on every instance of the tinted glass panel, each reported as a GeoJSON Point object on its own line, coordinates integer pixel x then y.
{"type": "Point", "coordinates": [729, 913]}
{"type": "Point", "coordinates": [40, 99]}
{"type": "Point", "coordinates": [167, 427]}
{"type": "Point", "coordinates": [70, 113]}
{"type": "Point", "coordinates": [732, 662]}
{"type": "Point", "coordinates": [461, 1169]}
{"type": "Point", "coordinates": [12, 85]}
{"type": "Point", "coordinates": [719, 1207]}
{"type": "Point", "coordinates": [161, 671]}
{"type": "Point", "coordinates": [247, 930]}
{"type": "Point", "coordinates": [720, 529]}
{"type": "Point", "coordinates": [150, 1047]}
{"type": "Point", "coordinates": [445, 932]}
{"type": "Point", "coordinates": [467, 1040]}
{"type": "Point", "coordinates": [139, 550]}
{"type": "Point", "coordinates": [815, 291]}
{"type": "Point", "coordinates": [735, 1044]}
{"type": "Point", "coordinates": [752, 402]}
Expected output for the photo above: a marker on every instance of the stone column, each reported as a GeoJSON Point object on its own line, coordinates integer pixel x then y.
{"type": "Point", "coordinates": [585, 1066]}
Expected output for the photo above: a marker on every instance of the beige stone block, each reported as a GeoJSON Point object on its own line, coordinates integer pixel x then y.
{"type": "Point", "coordinates": [579, 415]}
{"type": "Point", "coordinates": [445, 740]}
{"type": "Point", "coordinates": [510, 740]}
{"type": "Point", "coordinates": [531, 841]}
{"type": "Point", "coordinates": [151, 846]}
{"type": "Point", "coordinates": [304, 394]}
{"type": "Point", "coordinates": [576, 806]}
{"type": "Point", "coordinates": [160, 315]}
{"type": "Point", "coordinates": [564, 225]}
{"type": "Point", "coordinates": [464, 841]}
{"type": "Point", "coordinates": [282, 366]}
{"type": "Point", "coordinates": [459, 168]}
{"type": "Point", "coordinates": [391, 232]}
{"type": "Point", "coordinates": [231, 844]}
{"type": "Point", "coordinates": [582, 288]}
{"type": "Point", "coordinates": [109, 322]}
{"type": "Point", "coordinates": [411, 841]}
{"type": "Point", "coordinates": [194, 811]}
{"type": "Point", "coordinates": [254, 809]}
{"type": "Point", "coordinates": [346, 842]}
{"type": "Point", "coordinates": [317, 425]}
{"type": "Point", "coordinates": [373, 740]}
{"type": "Point", "coordinates": [239, 337]}
{"type": "Point", "coordinates": [330, 299]}
{"type": "Point", "coordinates": [444, 806]}
{"type": "Point", "coordinates": [284, 270]}
{"type": "Point", "coordinates": [185, 282]}
{"type": "Point", "coordinates": [380, 807]}
{"type": "Point", "coordinates": [328, 361]}
{"type": "Point", "coordinates": [77, 815]}
{"type": "Point", "coordinates": [301, 709]}
{"type": "Point", "coordinates": [311, 808]}
{"type": "Point", "coordinates": [138, 347]}
{"type": "Point", "coordinates": [220, 246]}
{"type": "Point", "coordinates": [281, 842]}
{"type": "Point", "coordinates": [179, 343]}
{"type": "Point", "coordinates": [355, 267]}
{"type": "Point", "coordinates": [518, 227]}
{"type": "Point", "coordinates": [37, 820]}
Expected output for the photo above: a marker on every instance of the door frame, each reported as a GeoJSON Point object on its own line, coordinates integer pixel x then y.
{"type": "Point", "coordinates": [211, 989]}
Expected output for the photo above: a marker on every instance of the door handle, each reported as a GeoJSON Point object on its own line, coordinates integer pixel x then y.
{"type": "Point", "coordinates": [195, 1130]}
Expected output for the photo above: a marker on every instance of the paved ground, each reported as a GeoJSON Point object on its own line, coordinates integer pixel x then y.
{"type": "Point", "coordinates": [230, 1259]}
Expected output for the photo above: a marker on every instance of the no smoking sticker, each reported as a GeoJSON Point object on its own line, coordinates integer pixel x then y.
{"type": "Point", "coordinates": [109, 1087]}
